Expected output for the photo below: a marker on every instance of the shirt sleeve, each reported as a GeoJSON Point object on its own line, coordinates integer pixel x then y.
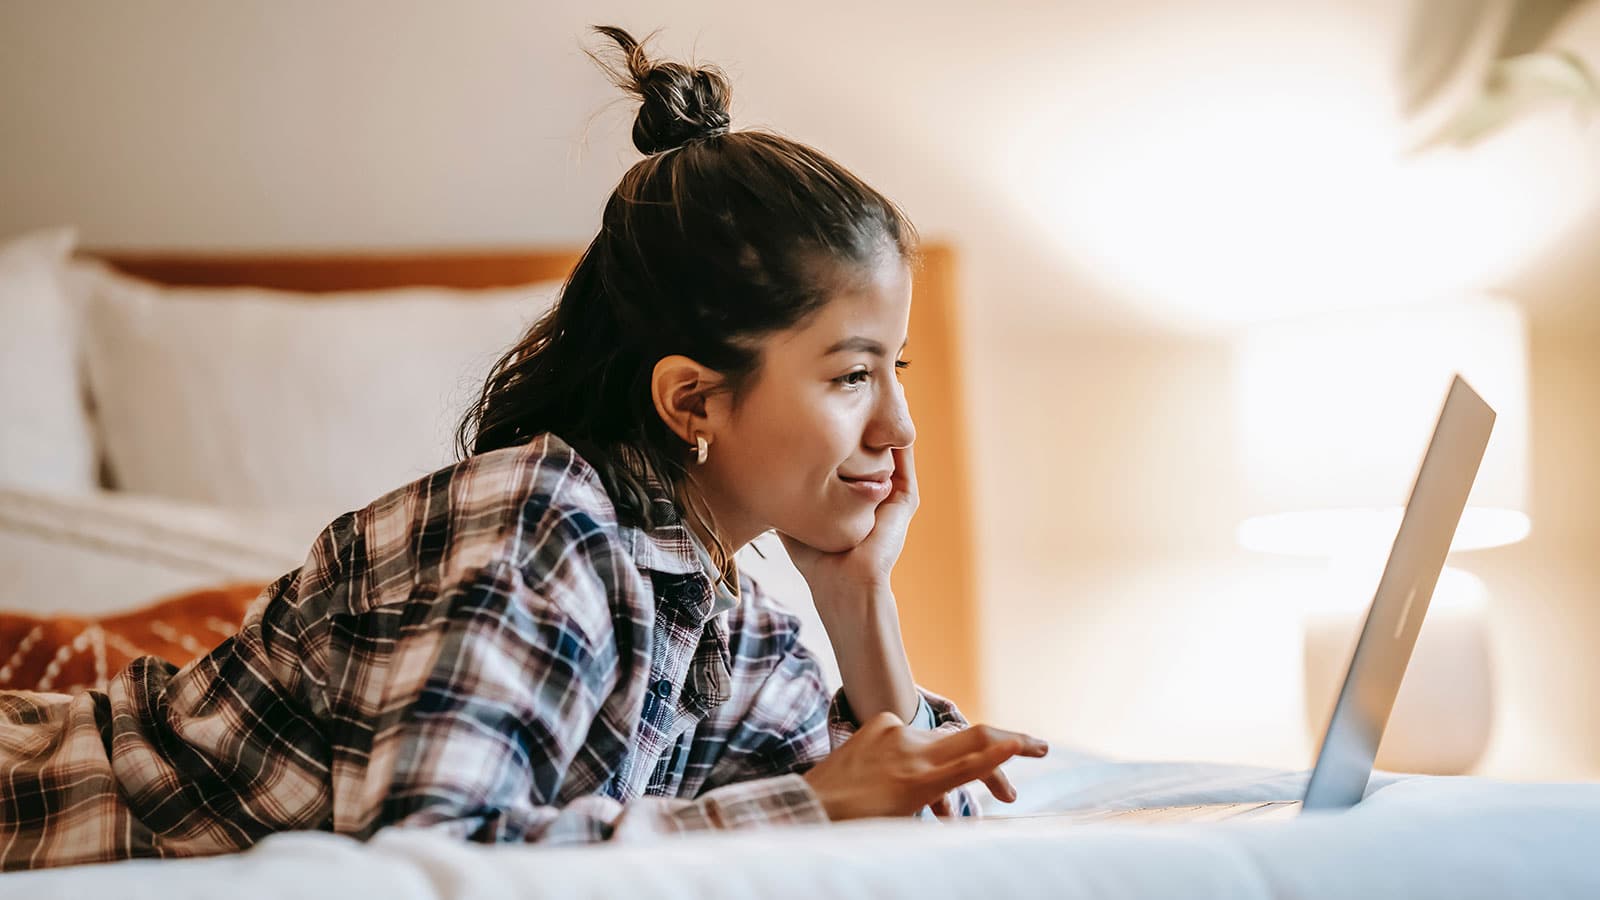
{"type": "Point", "coordinates": [934, 713]}
{"type": "Point", "coordinates": [526, 693]}
{"type": "Point", "coordinates": [793, 721]}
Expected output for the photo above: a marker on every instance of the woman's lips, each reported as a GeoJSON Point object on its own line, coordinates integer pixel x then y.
{"type": "Point", "coordinates": [869, 488]}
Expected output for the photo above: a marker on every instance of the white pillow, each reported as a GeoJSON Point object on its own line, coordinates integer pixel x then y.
{"type": "Point", "coordinates": [248, 397]}
{"type": "Point", "coordinates": [45, 439]}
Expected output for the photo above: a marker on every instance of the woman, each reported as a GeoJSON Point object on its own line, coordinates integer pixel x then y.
{"type": "Point", "coordinates": [548, 641]}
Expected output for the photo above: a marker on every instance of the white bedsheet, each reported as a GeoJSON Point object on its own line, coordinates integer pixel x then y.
{"type": "Point", "coordinates": [1413, 837]}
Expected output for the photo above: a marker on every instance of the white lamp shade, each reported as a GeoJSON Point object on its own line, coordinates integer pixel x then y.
{"type": "Point", "coordinates": [1334, 413]}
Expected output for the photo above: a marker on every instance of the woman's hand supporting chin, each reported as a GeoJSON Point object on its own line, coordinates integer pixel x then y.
{"type": "Point", "coordinates": [887, 768]}
{"type": "Point", "coordinates": [853, 598]}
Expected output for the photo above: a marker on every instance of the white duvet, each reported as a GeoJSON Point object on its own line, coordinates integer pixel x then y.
{"type": "Point", "coordinates": [1413, 837]}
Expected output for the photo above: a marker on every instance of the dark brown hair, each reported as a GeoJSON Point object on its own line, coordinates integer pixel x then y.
{"type": "Point", "coordinates": [714, 239]}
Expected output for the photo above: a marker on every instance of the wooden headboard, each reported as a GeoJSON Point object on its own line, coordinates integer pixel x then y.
{"type": "Point", "coordinates": [935, 581]}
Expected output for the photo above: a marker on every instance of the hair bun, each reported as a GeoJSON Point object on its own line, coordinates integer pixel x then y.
{"type": "Point", "coordinates": [678, 104]}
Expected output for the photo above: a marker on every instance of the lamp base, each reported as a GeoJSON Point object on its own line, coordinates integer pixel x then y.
{"type": "Point", "coordinates": [1443, 715]}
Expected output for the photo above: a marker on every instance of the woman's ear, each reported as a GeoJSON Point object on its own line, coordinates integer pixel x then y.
{"type": "Point", "coordinates": [679, 386]}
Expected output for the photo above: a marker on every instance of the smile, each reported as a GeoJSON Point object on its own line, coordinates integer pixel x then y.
{"type": "Point", "coordinates": [869, 488]}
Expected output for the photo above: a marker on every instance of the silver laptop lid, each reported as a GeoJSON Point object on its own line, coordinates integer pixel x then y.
{"type": "Point", "coordinates": [1438, 497]}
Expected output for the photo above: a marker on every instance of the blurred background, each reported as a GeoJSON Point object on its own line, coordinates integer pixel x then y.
{"type": "Point", "coordinates": [1133, 190]}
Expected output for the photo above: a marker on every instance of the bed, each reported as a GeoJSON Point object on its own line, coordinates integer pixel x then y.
{"type": "Point", "coordinates": [158, 530]}
{"type": "Point", "coordinates": [1415, 837]}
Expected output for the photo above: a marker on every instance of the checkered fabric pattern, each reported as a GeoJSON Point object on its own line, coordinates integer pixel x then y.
{"type": "Point", "coordinates": [486, 652]}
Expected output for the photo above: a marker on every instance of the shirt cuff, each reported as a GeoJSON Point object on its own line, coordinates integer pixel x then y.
{"type": "Point", "coordinates": [939, 714]}
{"type": "Point", "coordinates": [782, 800]}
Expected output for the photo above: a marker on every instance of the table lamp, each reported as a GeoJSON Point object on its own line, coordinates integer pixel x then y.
{"type": "Point", "coordinates": [1333, 414]}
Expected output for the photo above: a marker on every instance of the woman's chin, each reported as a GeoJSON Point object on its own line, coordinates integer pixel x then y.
{"type": "Point", "coordinates": [838, 538]}
{"type": "Point", "coordinates": [849, 534]}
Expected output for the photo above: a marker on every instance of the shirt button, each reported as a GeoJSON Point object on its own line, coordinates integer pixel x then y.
{"type": "Point", "coordinates": [663, 689]}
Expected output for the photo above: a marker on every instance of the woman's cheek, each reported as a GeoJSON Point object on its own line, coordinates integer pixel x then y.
{"type": "Point", "coordinates": [842, 428]}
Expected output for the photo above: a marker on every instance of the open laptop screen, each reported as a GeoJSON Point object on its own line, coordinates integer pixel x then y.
{"type": "Point", "coordinates": [1449, 467]}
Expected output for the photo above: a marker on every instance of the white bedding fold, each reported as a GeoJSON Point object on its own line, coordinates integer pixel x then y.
{"type": "Point", "coordinates": [1416, 837]}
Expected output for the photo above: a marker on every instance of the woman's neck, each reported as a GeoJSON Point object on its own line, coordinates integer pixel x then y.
{"type": "Point", "coordinates": [714, 523]}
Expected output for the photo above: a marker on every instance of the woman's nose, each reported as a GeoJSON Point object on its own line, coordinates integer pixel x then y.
{"type": "Point", "coordinates": [895, 428]}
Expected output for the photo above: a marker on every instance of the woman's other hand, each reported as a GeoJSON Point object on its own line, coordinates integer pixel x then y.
{"type": "Point", "coordinates": [888, 769]}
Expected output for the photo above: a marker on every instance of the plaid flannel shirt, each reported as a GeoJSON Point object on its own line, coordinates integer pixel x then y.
{"type": "Point", "coordinates": [486, 652]}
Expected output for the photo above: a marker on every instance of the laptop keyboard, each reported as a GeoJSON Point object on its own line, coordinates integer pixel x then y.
{"type": "Point", "coordinates": [1208, 812]}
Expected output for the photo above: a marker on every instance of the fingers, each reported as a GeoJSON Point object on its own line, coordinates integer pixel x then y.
{"type": "Point", "coordinates": [904, 478]}
{"type": "Point", "coordinates": [973, 766]}
{"type": "Point", "coordinates": [942, 807]}
{"type": "Point", "coordinates": [971, 739]}
{"type": "Point", "coordinates": [1000, 786]}
{"type": "Point", "coordinates": [894, 514]}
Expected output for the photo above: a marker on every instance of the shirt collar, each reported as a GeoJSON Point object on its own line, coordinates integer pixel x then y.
{"type": "Point", "coordinates": [725, 597]}
{"type": "Point", "coordinates": [666, 548]}
{"type": "Point", "coordinates": [676, 550]}
{"type": "Point", "coordinates": [673, 549]}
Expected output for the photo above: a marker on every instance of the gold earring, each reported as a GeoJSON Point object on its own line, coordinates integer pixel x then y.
{"type": "Point", "coordinates": [702, 449]}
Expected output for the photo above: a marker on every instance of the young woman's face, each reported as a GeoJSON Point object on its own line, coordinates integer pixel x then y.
{"type": "Point", "coordinates": [807, 450]}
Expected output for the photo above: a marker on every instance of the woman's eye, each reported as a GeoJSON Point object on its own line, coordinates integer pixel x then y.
{"type": "Point", "coordinates": [862, 376]}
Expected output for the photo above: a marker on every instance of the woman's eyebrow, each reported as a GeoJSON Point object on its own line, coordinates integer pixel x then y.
{"type": "Point", "coordinates": [863, 344]}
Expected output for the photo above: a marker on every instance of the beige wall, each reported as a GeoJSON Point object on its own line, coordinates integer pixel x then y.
{"type": "Point", "coordinates": [1123, 618]}
{"type": "Point", "coordinates": [1118, 612]}
{"type": "Point", "coordinates": [1546, 609]}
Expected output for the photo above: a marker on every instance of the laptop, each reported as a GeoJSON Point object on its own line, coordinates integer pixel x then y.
{"type": "Point", "coordinates": [1350, 743]}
